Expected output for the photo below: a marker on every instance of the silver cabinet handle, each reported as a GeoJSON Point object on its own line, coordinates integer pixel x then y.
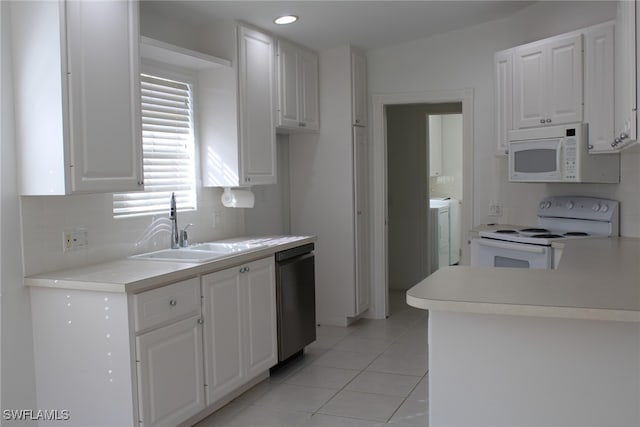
{"type": "Point", "coordinates": [200, 321]}
{"type": "Point", "coordinates": [541, 120]}
{"type": "Point", "coordinates": [548, 120]}
{"type": "Point", "coordinates": [244, 270]}
{"type": "Point", "coordinates": [173, 302]}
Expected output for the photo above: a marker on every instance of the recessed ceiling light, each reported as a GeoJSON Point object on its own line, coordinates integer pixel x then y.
{"type": "Point", "coordinates": [285, 19]}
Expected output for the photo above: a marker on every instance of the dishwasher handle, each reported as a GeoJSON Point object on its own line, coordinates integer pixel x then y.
{"type": "Point", "coordinates": [294, 252]}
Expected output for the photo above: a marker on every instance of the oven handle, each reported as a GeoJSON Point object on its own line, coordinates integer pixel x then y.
{"type": "Point", "coordinates": [512, 246]}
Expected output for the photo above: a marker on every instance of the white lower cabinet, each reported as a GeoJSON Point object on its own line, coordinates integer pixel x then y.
{"type": "Point", "coordinates": [161, 357]}
{"type": "Point", "coordinates": [239, 326]}
{"type": "Point", "coordinates": [170, 373]}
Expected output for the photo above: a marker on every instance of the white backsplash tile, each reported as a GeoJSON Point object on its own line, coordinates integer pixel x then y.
{"type": "Point", "coordinates": [44, 219]}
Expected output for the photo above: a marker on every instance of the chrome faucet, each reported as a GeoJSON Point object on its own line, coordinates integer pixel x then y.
{"type": "Point", "coordinates": [173, 217]}
{"type": "Point", "coordinates": [179, 238]}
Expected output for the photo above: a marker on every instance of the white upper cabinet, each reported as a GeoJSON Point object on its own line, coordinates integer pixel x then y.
{"type": "Point", "coordinates": [599, 86]}
{"type": "Point", "coordinates": [76, 70]}
{"type": "Point", "coordinates": [297, 88]}
{"type": "Point", "coordinates": [548, 82]}
{"type": "Point", "coordinates": [237, 111]}
{"type": "Point", "coordinates": [359, 88]}
{"type": "Point", "coordinates": [625, 128]}
{"type": "Point", "coordinates": [256, 87]}
{"type": "Point", "coordinates": [503, 92]}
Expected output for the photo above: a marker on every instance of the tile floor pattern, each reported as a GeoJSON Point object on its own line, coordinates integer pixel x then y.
{"type": "Point", "coordinates": [373, 373]}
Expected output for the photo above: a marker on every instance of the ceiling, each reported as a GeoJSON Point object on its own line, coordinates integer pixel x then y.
{"type": "Point", "coordinates": [325, 24]}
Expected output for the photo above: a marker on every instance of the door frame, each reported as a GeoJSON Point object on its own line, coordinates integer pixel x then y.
{"type": "Point", "coordinates": [378, 228]}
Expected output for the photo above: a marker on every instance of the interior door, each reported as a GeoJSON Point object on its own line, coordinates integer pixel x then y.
{"type": "Point", "coordinates": [408, 202]}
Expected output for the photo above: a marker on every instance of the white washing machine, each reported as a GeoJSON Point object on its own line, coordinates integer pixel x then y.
{"type": "Point", "coordinates": [446, 227]}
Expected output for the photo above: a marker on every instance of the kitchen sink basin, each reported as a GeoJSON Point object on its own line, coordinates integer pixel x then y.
{"type": "Point", "coordinates": [180, 255]}
{"type": "Point", "coordinates": [226, 247]}
{"type": "Point", "coordinates": [198, 253]}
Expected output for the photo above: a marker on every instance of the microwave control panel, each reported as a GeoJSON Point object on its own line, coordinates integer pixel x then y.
{"type": "Point", "coordinates": [570, 159]}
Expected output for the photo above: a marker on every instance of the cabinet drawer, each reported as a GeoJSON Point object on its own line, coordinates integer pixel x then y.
{"type": "Point", "coordinates": [172, 302]}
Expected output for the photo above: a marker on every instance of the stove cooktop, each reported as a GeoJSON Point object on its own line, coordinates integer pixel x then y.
{"type": "Point", "coordinates": [534, 235]}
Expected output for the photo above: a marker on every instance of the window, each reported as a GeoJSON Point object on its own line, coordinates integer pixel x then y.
{"type": "Point", "coordinates": [167, 149]}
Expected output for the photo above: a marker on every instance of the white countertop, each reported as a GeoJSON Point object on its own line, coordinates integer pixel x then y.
{"type": "Point", "coordinates": [596, 279]}
{"type": "Point", "coordinates": [133, 275]}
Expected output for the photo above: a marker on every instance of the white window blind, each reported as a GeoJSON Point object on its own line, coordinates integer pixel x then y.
{"type": "Point", "coordinates": [167, 150]}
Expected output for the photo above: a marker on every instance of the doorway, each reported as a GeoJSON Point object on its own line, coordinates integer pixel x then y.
{"type": "Point", "coordinates": [424, 156]}
{"type": "Point", "coordinates": [385, 106]}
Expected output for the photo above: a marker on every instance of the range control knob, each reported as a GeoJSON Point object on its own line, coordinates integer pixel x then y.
{"type": "Point", "coordinates": [596, 207]}
{"type": "Point", "coordinates": [541, 205]}
{"type": "Point", "coordinates": [604, 208]}
{"type": "Point", "coordinates": [547, 205]}
{"type": "Point", "coordinates": [570, 205]}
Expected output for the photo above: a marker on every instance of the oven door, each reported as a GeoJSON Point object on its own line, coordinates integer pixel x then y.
{"type": "Point", "coordinates": [497, 253]}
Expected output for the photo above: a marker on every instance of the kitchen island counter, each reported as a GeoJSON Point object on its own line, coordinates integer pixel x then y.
{"type": "Point", "coordinates": [596, 279]}
{"type": "Point", "coordinates": [527, 347]}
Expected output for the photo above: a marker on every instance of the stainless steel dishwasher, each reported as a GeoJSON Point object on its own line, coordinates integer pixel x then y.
{"type": "Point", "coordinates": [295, 300]}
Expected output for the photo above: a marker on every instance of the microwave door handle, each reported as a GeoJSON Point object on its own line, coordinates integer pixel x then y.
{"type": "Point", "coordinates": [510, 246]}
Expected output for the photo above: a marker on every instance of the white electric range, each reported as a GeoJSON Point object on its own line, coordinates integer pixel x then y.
{"type": "Point", "coordinates": [559, 218]}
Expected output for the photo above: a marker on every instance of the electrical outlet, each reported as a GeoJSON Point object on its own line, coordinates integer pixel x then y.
{"type": "Point", "coordinates": [74, 239]}
{"type": "Point", "coordinates": [495, 209]}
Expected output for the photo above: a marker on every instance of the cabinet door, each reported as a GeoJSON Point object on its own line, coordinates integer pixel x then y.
{"type": "Point", "coordinates": [503, 90]}
{"type": "Point", "coordinates": [625, 72]}
{"type": "Point", "coordinates": [104, 96]}
{"type": "Point", "coordinates": [261, 350]}
{"type": "Point", "coordinates": [309, 111]}
{"type": "Point", "coordinates": [170, 373]}
{"type": "Point", "coordinates": [359, 88]}
{"type": "Point", "coordinates": [361, 195]}
{"type": "Point", "coordinates": [530, 85]}
{"type": "Point", "coordinates": [435, 145]}
{"type": "Point", "coordinates": [223, 344]}
{"type": "Point", "coordinates": [599, 86]}
{"type": "Point", "coordinates": [256, 81]}
{"type": "Point", "coordinates": [288, 84]}
{"type": "Point", "coordinates": [563, 89]}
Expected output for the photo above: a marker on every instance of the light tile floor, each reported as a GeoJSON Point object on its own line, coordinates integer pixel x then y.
{"type": "Point", "coordinates": [373, 373]}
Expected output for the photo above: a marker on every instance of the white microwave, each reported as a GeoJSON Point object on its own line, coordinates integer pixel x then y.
{"type": "Point", "coordinates": [559, 154]}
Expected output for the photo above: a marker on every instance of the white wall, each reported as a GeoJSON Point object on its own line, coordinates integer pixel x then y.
{"type": "Point", "coordinates": [322, 191]}
{"type": "Point", "coordinates": [449, 184]}
{"type": "Point", "coordinates": [17, 379]}
{"type": "Point", "coordinates": [271, 212]}
{"type": "Point", "coordinates": [464, 59]}
{"type": "Point", "coordinates": [45, 218]}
